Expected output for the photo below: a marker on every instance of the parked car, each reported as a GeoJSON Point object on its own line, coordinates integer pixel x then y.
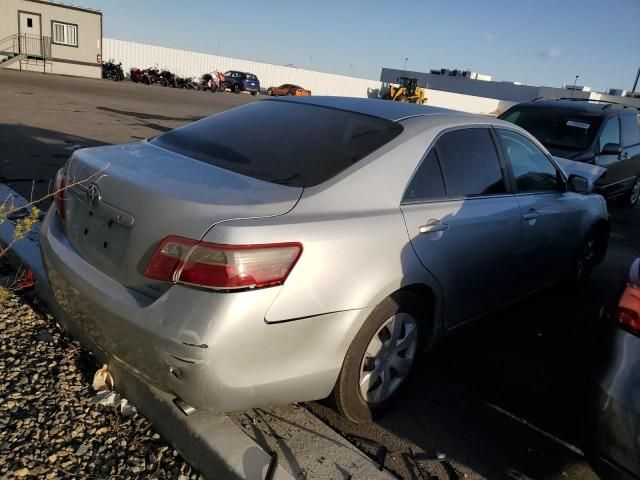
{"type": "Point", "coordinates": [271, 280]}
{"type": "Point", "coordinates": [600, 133]}
{"type": "Point", "coordinates": [614, 436]}
{"type": "Point", "coordinates": [241, 82]}
{"type": "Point", "coordinates": [287, 89]}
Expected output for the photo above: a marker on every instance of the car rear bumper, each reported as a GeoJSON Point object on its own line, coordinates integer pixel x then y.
{"type": "Point", "coordinates": [614, 414]}
{"type": "Point", "coordinates": [213, 350]}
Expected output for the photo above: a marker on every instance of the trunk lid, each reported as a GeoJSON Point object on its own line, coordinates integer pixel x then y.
{"type": "Point", "coordinates": [139, 193]}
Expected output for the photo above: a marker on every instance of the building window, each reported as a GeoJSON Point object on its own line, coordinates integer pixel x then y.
{"type": "Point", "coordinates": [30, 22]}
{"type": "Point", "coordinates": [64, 34]}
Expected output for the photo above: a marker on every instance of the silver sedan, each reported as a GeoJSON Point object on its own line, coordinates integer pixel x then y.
{"type": "Point", "coordinates": [289, 250]}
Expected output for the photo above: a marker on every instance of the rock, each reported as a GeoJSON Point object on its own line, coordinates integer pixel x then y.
{"type": "Point", "coordinates": [52, 458]}
{"type": "Point", "coordinates": [23, 472]}
{"type": "Point", "coordinates": [82, 449]}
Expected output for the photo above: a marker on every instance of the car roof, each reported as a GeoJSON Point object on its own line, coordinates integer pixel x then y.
{"type": "Point", "coordinates": [576, 106]}
{"type": "Point", "coordinates": [375, 107]}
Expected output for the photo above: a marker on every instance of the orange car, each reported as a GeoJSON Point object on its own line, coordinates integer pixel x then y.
{"type": "Point", "coordinates": [287, 89]}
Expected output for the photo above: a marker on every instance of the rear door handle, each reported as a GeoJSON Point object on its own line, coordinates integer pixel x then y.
{"type": "Point", "coordinates": [531, 215]}
{"type": "Point", "coordinates": [433, 226]}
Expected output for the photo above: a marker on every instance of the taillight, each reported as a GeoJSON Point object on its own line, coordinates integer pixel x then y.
{"type": "Point", "coordinates": [628, 319]}
{"type": "Point", "coordinates": [59, 189]}
{"type": "Point", "coordinates": [223, 267]}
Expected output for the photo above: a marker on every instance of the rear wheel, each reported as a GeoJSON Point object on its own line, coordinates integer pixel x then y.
{"type": "Point", "coordinates": [380, 358]}
{"type": "Point", "coordinates": [236, 88]}
{"type": "Point", "coordinates": [254, 93]}
{"type": "Point", "coordinates": [164, 82]}
{"type": "Point", "coordinates": [270, 92]}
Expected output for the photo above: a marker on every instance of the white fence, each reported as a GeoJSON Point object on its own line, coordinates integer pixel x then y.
{"type": "Point", "coordinates": [194, 64]}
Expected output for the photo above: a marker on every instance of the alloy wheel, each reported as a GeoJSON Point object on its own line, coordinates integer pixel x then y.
{"type": "Point", "coordinates": [585, 262]}
{"type": "Point", "coordinates": [635, 193]}
{"type": "Point", "coordinates": [388, 358]}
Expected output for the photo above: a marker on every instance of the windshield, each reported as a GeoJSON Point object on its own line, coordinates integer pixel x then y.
{"type": "Point", "coordinates": [251, 77]}
{"type": "Point", "coordinates": [282, 142]}
{"type": "Point", "coordinates": [556, 129]}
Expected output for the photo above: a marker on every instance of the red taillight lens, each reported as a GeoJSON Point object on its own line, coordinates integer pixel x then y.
{"type": "Point", "coordinates": [59, 188]}
{"type": "Point", "coordinates": [224, 267]}
{"type": "Point", "coordinates": [628, 319]}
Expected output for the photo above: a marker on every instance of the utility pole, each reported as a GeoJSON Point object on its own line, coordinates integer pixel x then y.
{"type": "Point", "coordinates": [218, 51]}
{"type": "Point", "coordinates": [310, 60]}
{"type": "Point", "coordinates": [405, 64]}
{"type": "Point", "coordinates": [350, 68]}
{"type": "Point", "coordinates": [574, 85]}
{"type": "Point", "coordinates": [635, 84]}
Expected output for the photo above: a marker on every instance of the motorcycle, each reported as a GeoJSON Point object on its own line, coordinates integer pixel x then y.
{"type": "Point", "coordinates": [136, 74]}
{"type": "Point", "coordinates": [212, 82]}
{"type": "Point", "coordinates": [167, 79]}
{"type": "Point", "coordinates": [150, 76]}
{"type": "Point", "coordinates": [189, 83]}
{"type": "Point", "coordinates": [112, 71]}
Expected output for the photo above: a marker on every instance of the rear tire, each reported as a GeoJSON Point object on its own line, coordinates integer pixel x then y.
{"type": "Point", "coordinates": [236, 88]}
{"type": "Point", "coordinates": [253, 94]}
{"type": "Point", "coordinates": [380, 358]}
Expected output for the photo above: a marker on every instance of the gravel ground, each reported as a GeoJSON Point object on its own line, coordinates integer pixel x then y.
{"type": "Point", "coordinates": [48, 427]}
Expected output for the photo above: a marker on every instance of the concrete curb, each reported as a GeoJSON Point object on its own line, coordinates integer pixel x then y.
{"type": "Point", "coordinates": [212, 444]}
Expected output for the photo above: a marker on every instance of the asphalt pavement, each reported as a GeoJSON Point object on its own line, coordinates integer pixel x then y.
{"type": "Point", "coordinates": [500, 399]}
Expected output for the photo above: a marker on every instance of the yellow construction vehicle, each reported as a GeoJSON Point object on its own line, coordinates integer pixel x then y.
{"type": "Point", "coordinates": [408, 91]}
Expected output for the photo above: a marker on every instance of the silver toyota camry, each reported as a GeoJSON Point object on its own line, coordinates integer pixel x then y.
{"type": "Point", "coordinates": [293, 249]}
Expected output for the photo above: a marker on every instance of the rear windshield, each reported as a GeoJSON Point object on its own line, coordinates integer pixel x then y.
{"type": "Point", "coordinates": [282, 142]}
{"type": "Point", "coordinates": [556, 128]}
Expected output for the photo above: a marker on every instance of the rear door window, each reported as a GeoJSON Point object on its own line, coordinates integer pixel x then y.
{"type": "Point", "coordinates": [282, 142]}
{"type": "Point", "coordinates": [610, 133]}
{"type": "Point", "coordinates": [427, 183]}
{"type": "Point", "coordinates": [470, 163]}
{"type": "Point", "coordinates": [630, 129]}
{"type": "Point", "coordinates": [531, 168]}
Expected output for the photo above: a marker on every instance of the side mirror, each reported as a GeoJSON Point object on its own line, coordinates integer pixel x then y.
{"type": "Point", "coordinates": [578, 184]}
{"type": "Point", "coordinates": [611, 149]}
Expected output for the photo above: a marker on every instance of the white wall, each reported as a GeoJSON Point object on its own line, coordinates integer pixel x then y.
{"type": "Point", "coordinates": [193, 64]}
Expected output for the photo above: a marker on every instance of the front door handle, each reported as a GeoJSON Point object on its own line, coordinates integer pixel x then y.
{"type": "Point", "coordinates": [531, 215]}
{"type": "Point", "coordinates": [434, 225]}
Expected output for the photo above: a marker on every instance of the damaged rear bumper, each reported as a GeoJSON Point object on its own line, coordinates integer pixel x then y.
{"type": "Point", "coordinates": [213, 350]}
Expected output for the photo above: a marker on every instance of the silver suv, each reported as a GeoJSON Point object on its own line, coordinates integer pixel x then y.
{"type": "Point", "coordinates": [234, 269]}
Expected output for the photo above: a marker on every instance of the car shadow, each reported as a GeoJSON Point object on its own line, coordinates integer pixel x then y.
{"type": "Point", "coordinates": [30, 157]}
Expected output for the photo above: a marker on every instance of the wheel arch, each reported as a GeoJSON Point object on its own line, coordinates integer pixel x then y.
{"type": "Point", "coordinates": [431, 318]}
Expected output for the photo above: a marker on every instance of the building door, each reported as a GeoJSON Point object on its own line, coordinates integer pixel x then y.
{"type": "Point", "coordinates": [30, 30]}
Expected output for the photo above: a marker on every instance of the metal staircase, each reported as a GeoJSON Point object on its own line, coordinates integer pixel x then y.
{"type": "Point", "coordinates": [25, 49]}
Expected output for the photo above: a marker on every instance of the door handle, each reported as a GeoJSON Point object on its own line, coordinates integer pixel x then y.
{"type": "Point", "coordinates": [531, 215]}
{"type": "Point", "coordinates": [623, 156]}
{"type": "Point", "coordinates": [433, 226]}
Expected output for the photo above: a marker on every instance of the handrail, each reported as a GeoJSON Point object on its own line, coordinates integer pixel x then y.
{"type": "Point", "coordinates": [27, 44]}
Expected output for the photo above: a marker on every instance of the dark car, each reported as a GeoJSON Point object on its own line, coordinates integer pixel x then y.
{"type": "Point", "coordinates": [597, 132]}
{"type": "Point", "coordinates": [613, 442]}
{"type": "Point", "coordinates": [238, 82]}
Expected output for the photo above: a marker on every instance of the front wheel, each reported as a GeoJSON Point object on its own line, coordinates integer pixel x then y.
{"type": "Point", "coordinates": [254, 94]}
{"type": "Point", "coordinates": [236, 88]}
{"type": "Point", "coordinates": [380, 358]}
{"type": "Point", "coordinates": [631, 200]}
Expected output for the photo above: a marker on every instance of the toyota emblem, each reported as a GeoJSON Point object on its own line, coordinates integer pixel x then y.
{"type": "Point", "coordinates": [93, 194]}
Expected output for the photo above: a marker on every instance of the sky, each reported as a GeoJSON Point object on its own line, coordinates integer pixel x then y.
{"type": "Point", "coordinates": [535, 42]}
